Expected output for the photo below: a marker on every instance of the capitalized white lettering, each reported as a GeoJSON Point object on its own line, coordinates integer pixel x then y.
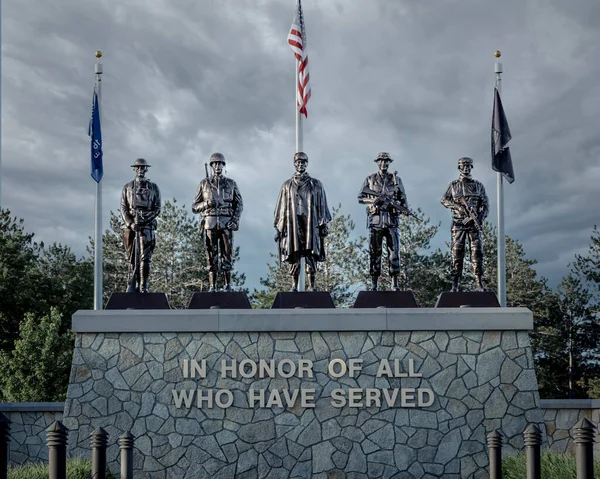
{"type": "Point", "coordinates": [354, 396]}
{"type": "Point", "coordinates": [185, 368]}
{"type": "Point", "coordinates": [411, 370]}
{"type": "Point", "coordinates": [201, 398]}
{"type": "Point", "coordinates": [266, 369]}
{"type": "Point", "coordinates": [185, 396]}
{"type": "Point", "coordinates": [219, 398]}
{"type": "Point", "coordinates": [373, 397]}
{"type": "Point", "coordinates": [420, 397]}
{"type": "Point", "coordinates": [197, 369]}
{"type": "Point", "coordinates": [406, 395]}
{"type": "Point", "coordinates": [307, 398]}
{"type": "Point", "coordinates": [274, 399]}
{"type": "Point", "coordinates": [390, 400]}
{"type": "Point", "coordinates": [342, 370]}
{"type": "Point", "coordinates": [281, 370]}
{"type": "Point", "coordinates": [305, 366]}
{"type": "Point", "coordinates": [384, 369]}
{"type": "Point", "coordinates": [256, 395]}
{"type": "Point", "coordinates": [398, 370]}
{"type": "Point", "coordinates": [338, 399]}
{"type": "Point", "coordinates": [248, 368]}
{"type": "Point", "coordinates": [290, 397]}
{"type": "Point", "coordinates": [354, 365]}
{"type": "Point", "coordinates": [228, 367]}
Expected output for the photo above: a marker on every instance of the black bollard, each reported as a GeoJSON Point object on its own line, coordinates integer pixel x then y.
{"type": "Point", "coordinates": [126, 445]}
{"type": "Point", "coordinates": [4, 441]}
{"type": "Point", "coordinates": [533, 446]}
{"type": "Point", "coordinates": [583, 433]}
{"type": "Point", "coordinates": [99, 440]}
{"type": "Point", "coordinates": [494, 441]}
{"type": "Point", "coordinates": [57, 450]}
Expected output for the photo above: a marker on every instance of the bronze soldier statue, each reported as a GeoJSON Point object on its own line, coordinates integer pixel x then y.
{"type": "Point", "coordinates": [301, 218]}
{"type": "Point", "coordinates": [220, 202]}
{"type": "Point", "coordinates": [468, 201]}
{"type": "Point", "coordinates": [140, 205]}
{"type": "Point", "coordinates": [384, 195]}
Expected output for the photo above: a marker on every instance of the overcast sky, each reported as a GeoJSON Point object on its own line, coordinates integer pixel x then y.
{"type": "Point", "coordinates": [414, 78]}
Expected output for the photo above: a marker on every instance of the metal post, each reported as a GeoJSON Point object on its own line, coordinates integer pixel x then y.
{"type": "Point", "coordinates": [299, 147]}
{"type": "Point", "coordinates": [126, 445]}
{"type": "Point", "coordinates": [4, 442]}
{"type": "Point", "coordinates": [494, 440]}
{"type": "Point", "coordinates": [98, 210]}
{"type": "Point", "coordinates": [500, 201]}
{"type": "Point", "coordinates": [57, 450]}
{"type": "Point", "coordinates": [583, 433]}
{"type": "Point", "coordinates": [533, 443]}
{"type": "Point", "coordinates": [99, 440]}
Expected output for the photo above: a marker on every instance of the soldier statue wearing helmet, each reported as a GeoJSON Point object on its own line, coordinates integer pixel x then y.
{"type": "Point", "coordinates": [300, 220]}
{"type": "Point", "coordinates": [140, 205]}
{"type": "Point", "coordinates": [384, 195]}
{"type": "Point", "coordinates": [468, 201]}
{"type": "Point", "coordinates": [219, 201]}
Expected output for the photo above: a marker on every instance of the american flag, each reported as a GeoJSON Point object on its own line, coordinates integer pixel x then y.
{"type": "Point", "coordinates": [297, 40]}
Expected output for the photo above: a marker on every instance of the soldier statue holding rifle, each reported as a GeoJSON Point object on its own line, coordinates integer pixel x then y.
{"type": "Point", "coordinates": [300, 220]}
{"type": "Point", "coordinates": [219, 201]}
{"type": "Point", "coordinates": [468, 201]}
{"type": "Point", "coordinates": [140, 205]}
{"type": "Point", "coordinates": [384, 195]}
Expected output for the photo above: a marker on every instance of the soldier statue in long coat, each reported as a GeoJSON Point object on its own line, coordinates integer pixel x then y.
{"type": "Point", "coordinates": [219, 201]}
{"type": "Point", "coordinates": [140, 206]}
{"type": "Point", "coordinates": [467, 199]}
{"type": "Point", "coordinates": [301, 218]}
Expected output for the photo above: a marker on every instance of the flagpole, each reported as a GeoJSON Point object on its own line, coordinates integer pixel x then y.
{"type": "Point", "coordinates": [299, 147]}
{"type": "Point", "coordinates": [98, 211]}
{"type": "Point", "coordinates": [500, 201]}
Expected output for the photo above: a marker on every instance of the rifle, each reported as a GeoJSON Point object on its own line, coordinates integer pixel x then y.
{"type": "Point", "coordinates": [471, 216]}
{"type": "Point", "coordinates": [138, 261]}
{"type": "Point", "coordinates": [391, 201]}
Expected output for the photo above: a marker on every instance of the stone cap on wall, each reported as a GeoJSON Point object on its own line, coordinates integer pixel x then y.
{"type": "Point", "coordinates": [263, 320]}
{"type": "Point", "coordinates": [32, 406]}
{"type": "Point", "coordinates": [570, 403]}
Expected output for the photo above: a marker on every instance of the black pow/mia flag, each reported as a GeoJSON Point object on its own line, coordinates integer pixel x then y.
{"type": "Point", "coordinates": [501, 160]}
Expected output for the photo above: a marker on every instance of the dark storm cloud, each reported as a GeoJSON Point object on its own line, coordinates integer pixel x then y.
{"type": "Point", "coordinates": [184, 79]}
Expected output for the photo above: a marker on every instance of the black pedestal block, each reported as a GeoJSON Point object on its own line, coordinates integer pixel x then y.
{"type": "Point", "coordinates": [385, 299]}
{"type": "Point", "coordinates": [473, 299]}
{"type": "Point", "coordinates": [220, 300]}
{"type": "Point", "coordinates": [138, 301]}
{"type": "Point", "coordinates": [303, 299]}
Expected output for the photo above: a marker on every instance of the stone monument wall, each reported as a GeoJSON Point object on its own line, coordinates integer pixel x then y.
{"type": "Point", "coordinates": [368, 395]}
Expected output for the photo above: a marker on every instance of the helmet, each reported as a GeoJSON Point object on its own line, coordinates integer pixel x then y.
{"type": "Point", "coordinates": [301, 156]}
{"type": "Point", "coordinates": [383, 156]}
{"type": "Point", "coordinates": [216, 158]}
{"type": "Point", "coordinates": [140, 162]}
{"type": "Point", "coordinates": [465, 161]}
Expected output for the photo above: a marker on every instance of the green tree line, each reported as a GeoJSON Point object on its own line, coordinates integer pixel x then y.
{"type": "Point", "coordinates": [42, 286]}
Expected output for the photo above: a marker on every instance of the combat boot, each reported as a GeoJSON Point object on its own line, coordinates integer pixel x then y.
{"type": "Point", "coordinates": [212, 280]}
{"type": "Point", "coordinates": [143, 288]}
{"type": "Point", "coordinates": [294, 287]}
{"type": "Point", "coordinates": [374, 280]}
{"type": "Point", "coordinates": [479, 282]}
{"type": "Point", "coordinates": [395, 286]}
{"type": "Point", "coordinates": [455, 281]}
{"type": "Point", "coordinates": [311, 286]}
{"type": "Point", "coordinates": [227, 277]}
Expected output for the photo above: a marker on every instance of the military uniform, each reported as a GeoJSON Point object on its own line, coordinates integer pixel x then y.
{"type": "Point", "coordinates": [383, 219]}
{"type": "Point", "coordinates": [463, 227]}
{"type": "Point", "coordinates": [140, 206]}
{"type": "Point", "coordinates": [219, 201]}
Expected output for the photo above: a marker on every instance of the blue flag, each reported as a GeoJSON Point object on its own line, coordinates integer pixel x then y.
{"type": "Point", "coordinates": [95, 133]}
{"type": "Point", "coordinates": [501, 159]}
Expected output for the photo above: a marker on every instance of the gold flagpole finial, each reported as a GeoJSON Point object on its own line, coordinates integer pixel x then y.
{"type": "Point", "coordinates": [497, 53]}
{"type": "Point", "coordinates": [98, 54]}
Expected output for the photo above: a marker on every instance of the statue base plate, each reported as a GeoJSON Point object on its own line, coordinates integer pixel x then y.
{"type": "Point", "coordinates": [303, 299]}
{"type": "Point", "coordinates": [220, 300]}
{"type": "Point", "coordinates": [385, 299]}
{"type": "Point", "coordinates": [464, 299]}
{"type": "Point", "coordinates": [137, 301]}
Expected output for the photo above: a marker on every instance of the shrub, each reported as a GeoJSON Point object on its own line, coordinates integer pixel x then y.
{"type": "Point", "coordinates": [554, 466]}
{"type": "Point", "coordinates": [76, 469]}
